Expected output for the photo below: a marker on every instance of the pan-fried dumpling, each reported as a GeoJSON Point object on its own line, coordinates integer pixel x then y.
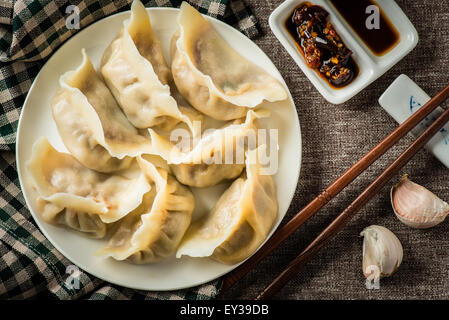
{"type": "Point", "coordinates": [239, 222]}
{"type": "Point", "coordinates": [212, 76]}
{"type": "Point", "coordinates": [135, 70]}
{"type": "Point", "coordinates": [218, 156]}
{"type": "Point", "coordinates": [83, 199]}
{"type": "Point", "coordinates": [91, 124]}
{"type": "Point", "coordinates": [153, 231]}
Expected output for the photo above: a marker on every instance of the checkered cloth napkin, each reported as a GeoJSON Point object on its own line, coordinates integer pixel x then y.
{"type": "Point", "coordinates": [30, 31]}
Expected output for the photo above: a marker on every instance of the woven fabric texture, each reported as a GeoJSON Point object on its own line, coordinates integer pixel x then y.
{"type": "Point", "coordinates": [334, 137]}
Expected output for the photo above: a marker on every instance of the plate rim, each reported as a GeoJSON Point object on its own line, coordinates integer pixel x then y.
{"type": "Point", "coordinates": [56, 245]}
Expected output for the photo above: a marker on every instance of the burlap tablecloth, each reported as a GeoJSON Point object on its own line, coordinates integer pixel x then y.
{"type": "Point", "coordinates": [334, 137]}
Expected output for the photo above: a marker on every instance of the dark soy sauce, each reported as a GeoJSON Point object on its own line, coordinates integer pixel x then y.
{"type": "Point", "coordinates": [379, 41]}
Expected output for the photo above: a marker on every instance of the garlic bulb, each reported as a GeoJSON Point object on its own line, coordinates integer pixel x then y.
{"type": "Point", "coordinates": [416, 206]}
{"type": "Point", "coordinates": [382, 252]}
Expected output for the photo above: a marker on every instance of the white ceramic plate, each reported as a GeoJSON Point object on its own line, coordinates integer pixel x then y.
{"type": "Point", "coordinates": [371, 67]}
{"type": "Point", "coordinates": [36, 121]}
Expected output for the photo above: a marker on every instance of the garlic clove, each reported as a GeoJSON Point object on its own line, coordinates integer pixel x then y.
{"type": "Point", "coordinates": [416, 206]}
{"type": "Point", "coordinates": [382, 252]}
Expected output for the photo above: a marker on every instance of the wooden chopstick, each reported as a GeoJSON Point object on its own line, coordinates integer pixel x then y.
{"type": "Point", "coordinates": [352, 209]}
{"type": "Point", "coordinates": [332, 190]}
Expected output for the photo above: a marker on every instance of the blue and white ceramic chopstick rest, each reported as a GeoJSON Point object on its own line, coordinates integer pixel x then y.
{"type": "Point", "coordinates": [403, 98]}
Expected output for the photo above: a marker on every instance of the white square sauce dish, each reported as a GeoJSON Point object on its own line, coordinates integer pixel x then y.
{"type": "Point", "coordinates": [369, 65]}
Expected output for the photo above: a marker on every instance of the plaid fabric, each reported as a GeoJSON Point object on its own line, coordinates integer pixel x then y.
{"type": "Point", "coordinates": [30, 31]}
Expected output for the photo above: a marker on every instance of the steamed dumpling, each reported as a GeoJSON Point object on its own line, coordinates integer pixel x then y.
{"type": "Point", "coordinates": [239, 222]}
{"type": "Point", "coordinates": [205, 175]}
{"type": "Point", "coordinates": [212, 76]}
{"type": "Point", "coordinates": [80, 198]}
{"type": "Point", "coordinates": [91, 124]}
{"type": "Point", "coordinates": [154, 230]}
{"type": "Point", "coordinates": [135, 70]}
{"type": "Point", "coordinates": [218, 156]}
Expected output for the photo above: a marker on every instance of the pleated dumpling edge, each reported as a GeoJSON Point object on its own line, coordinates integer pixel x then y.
{"type": "Point", "coordinates": [212, 76]}
{"type": "Point", "coordinates": [153, 231]}
{"type": "Point", "coordinates": [135, 70]}
{"type": "Point", "coordinates": [91, 124]}
{"type": "Point", "coordinates": [240, 221]}
{"type": "Point", "coordinates": [78, 197]}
